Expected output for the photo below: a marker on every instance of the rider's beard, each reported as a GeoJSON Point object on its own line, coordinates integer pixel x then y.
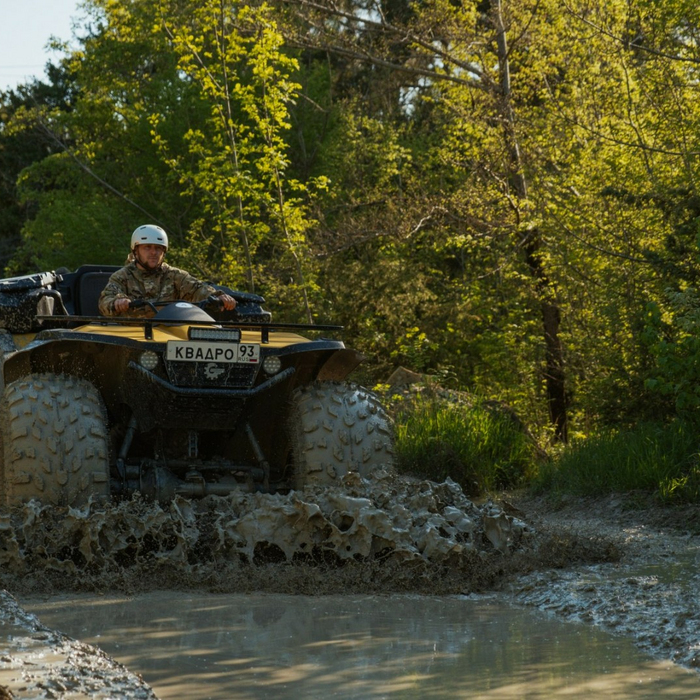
{"type": "Point", "coordinates": [149, 262]}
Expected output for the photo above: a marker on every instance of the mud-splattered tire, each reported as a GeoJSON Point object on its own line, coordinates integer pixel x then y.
{"type": "Point", "coordinates": [336, 428]}
{"type": "Point", "coordinates": [54, 441]}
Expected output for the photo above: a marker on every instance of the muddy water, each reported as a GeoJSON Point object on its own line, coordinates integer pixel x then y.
{"type": "Point", "coordinates": [233, 646]}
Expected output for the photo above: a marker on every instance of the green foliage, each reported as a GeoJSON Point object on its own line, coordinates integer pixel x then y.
{"type": "Point", "coordinates": [53, 185]}
{"type": "Point", "coordinates": [673, 337]}
{"type": "Point", "coordinates": [381, 178]}
{"type": "Point", "coordinates": [22, 148]}
{"type": "Point", "coordinates": [684, 488]}
{"type": "Point", "coordinates": [476, 445]}
{"type": "Point", "coordinates": [414, 350]}
{"type": "Point", "coordinates": [103, 177]}
{"type": "Point", "coordinates": [180, 118]}
{"type": "Point", "coordinates": [653, 457]}
{"type": "Point", "coordinates": [238, 155]}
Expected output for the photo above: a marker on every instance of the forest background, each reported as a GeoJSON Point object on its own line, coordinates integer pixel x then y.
{"type": "Point", "coordinates": [502, 194]}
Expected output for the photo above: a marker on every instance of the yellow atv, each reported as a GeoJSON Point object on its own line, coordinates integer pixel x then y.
{"type": "Point", "coordinates": [189, 401]}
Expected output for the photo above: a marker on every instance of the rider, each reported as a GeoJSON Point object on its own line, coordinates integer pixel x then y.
{"type": "Point", "coordinates": [146, 276]}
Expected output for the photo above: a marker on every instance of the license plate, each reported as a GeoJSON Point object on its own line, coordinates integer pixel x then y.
{"type": "Point", "coordinates": [240, 353]}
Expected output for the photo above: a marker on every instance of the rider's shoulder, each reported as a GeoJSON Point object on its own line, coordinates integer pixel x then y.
{"type": "Point", "coordinates": [171, 271]}
{"type": "Point", "coordinates": [124, 272]}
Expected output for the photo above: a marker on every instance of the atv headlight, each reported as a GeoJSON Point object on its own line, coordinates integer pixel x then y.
{"type": "Point", "coordinates": [148, 360]}
{"type": "Point", "coordinates": [272, 364]}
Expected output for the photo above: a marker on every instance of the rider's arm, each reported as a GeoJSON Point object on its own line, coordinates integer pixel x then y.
{"type": "Point", "coordinates": [114, 290]}
{"type": "Point", "coordinates": [189, 288]}
{"type": "Point", "coordinates": [194, 290]}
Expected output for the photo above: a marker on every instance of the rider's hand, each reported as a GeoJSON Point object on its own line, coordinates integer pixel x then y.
{"type": "Point", "coordinates": [121, 305]}
{"type": "Point", "coordinates": [228, 301]}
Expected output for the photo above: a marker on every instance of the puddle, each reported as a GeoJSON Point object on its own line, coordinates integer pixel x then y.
{"type": "Point", "coordinates": [234, 646]}
{"type": "Point", "coordinates": [371, 567]}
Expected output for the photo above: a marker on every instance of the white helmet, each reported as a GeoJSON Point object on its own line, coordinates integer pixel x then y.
{"type": "Point", "coordinates": [149, 235]}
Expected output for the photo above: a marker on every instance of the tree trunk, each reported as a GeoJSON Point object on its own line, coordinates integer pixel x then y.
{"type": "Point", "coordinates": [530, 241]}
{"type": "Point", "coordinates": [555, 377]}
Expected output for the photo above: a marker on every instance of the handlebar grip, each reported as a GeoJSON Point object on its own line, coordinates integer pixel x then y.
{"type": "Point", "coordinates": [213, 300]}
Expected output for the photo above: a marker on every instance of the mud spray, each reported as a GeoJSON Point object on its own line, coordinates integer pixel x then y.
{"type": "Point", "coordinates": [393, 534]}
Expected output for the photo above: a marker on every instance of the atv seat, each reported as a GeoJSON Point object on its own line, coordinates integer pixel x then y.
{"type": "Point", "coordinates": [91, 286]}
{"type": "Point", "coordinates": [81, 289]}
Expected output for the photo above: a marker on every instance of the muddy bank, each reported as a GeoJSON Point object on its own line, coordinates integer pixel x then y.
{"type": "Point", "coordinates": [37, 662]}
{"type": "Point", "coordinates": [649, 595]}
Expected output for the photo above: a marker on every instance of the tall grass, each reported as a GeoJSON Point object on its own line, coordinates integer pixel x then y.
{"type": "Point", "coordinates": [658, 458]}
{"type": "Point", "coordinates": [477, 446]}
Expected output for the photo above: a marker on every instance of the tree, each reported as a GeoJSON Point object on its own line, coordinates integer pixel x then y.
{"type": "Point", "coordinates": [19, 148]}
{"type": "Point", "coordinates": [523, 119]}
{"type": "Point", "coordinates": [232, 53]}
{"type": "Point", "coordinates": [512, 182]}
{"type": "Point", "coordinates": [179, 117]}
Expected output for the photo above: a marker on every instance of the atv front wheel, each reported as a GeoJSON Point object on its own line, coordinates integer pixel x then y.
{"type": "Point", "coordinates": [54, 441]}
{"type": "Point", "coordinates": [336, 428]}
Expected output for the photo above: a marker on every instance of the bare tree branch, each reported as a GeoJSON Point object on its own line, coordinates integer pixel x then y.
{"type": "Point", "coordinates": [628, 44]}
{"type": "Point", "coordinates": [403, 33]}
{"type": "Point", "coordinates": [368, 58]}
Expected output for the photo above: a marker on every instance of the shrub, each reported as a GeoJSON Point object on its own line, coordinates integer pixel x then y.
{"type": "Point", "coordinates": [479, 446]}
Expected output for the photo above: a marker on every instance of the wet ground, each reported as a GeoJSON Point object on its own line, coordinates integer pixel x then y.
{"type": "Point", "coordinates": [649, 595]}
{"type": "Point", "coordinates": [624, 583]}
{"type": "Point", "coordinates": [39, 662]}
{"type": "Point", "coordinates": [194, 646]}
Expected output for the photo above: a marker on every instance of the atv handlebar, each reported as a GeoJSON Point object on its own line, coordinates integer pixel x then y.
{"type": "Point", "coordinates": [140, 303]}
{"type": "Point", "coordinates": [210, 302]}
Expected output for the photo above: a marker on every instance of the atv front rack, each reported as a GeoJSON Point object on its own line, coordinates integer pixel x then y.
{"type": "Point", "coordinates": [149, 323]}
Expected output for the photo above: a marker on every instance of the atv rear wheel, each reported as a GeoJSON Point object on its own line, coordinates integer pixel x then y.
{"type": "Point", "coordinates": [336, 428]}
{"type": "Point", "coordinates": [54, 441]}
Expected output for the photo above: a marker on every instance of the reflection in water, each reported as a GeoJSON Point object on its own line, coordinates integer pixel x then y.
{"type": "Point", "coordinates": [194, 646]}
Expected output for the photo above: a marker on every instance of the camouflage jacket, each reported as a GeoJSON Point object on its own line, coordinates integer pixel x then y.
{"type": "Point", "coordinates": [165, 284]}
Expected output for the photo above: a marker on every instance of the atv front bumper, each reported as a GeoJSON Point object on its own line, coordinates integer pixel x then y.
{"type": "Point", "coordinates": [165, 405]}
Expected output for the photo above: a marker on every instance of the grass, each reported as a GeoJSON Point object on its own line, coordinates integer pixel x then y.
{"type": "Point", "coordinates": [478, 446]}
{"type": "Point", "coordinates": [652, 457]}
{"type": "Point", "coordinates": [485, 449]}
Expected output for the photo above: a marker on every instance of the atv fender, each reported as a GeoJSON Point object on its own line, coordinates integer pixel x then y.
{"type": "Point", "coordinates": [340, 364]}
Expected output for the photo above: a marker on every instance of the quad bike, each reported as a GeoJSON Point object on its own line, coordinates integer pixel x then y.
{"type": "Point", "coordinates": [192, 401]}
